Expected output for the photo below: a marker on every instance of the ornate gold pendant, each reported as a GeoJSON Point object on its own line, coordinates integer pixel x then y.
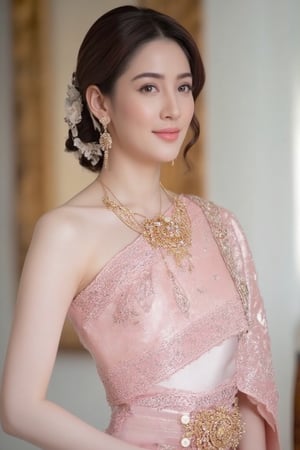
{"type": "Point", "coordinates": [213, 429]}
{"type": "Point", "coordinates": [172, 234]}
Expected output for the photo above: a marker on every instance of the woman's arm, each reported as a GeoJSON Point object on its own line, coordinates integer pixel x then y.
{"type": "Point", "coordinates": [255, 434]}
{"type": "Point", "coordinates": [50, 279]}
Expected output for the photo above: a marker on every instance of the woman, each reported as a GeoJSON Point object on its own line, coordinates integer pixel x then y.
{"type": "Point", "coordinates": [160, 287]}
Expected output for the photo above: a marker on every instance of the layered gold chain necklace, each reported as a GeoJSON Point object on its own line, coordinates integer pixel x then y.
{"type": "Point", "coordinates": [171, 233]}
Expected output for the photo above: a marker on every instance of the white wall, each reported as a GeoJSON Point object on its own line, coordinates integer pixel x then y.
{"type": "Point", "coordinates": [252, 61]}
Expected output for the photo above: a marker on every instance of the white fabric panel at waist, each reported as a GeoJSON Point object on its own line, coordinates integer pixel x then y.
{"type": "Point", "coordinates": [208, 371]}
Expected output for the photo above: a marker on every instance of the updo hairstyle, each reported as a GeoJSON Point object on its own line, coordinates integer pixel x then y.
{"type": "Point", "coordinates": [106, 51]}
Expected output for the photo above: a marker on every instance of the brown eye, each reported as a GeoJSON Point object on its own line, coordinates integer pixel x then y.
{"type": "Point", "coordinates": [185, 88]}
{"type": "Point", "coordinates": [148, 89]}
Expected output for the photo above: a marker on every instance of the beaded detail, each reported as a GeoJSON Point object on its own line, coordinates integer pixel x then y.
{"type": "Point", "coordinates": [213, 429]}
{"type": "Point", "coordinates": [169, 232]}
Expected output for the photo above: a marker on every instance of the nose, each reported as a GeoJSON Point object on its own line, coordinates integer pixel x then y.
{"type": "Point", "coordinates": [170, 107]}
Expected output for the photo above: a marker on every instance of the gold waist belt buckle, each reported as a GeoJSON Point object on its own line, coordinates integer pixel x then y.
{"type": "Point", "coordinates": [213, 429]}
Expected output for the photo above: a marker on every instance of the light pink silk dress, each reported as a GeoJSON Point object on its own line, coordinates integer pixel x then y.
{"type": "Point", "coordinates": [170, 340]}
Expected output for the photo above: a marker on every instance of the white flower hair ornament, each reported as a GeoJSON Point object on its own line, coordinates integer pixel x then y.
{"type": "Point", "coordinates": [73, 109]}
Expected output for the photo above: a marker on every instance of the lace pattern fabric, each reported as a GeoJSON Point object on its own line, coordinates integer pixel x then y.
{"type": "Point", "coordinates": [224, 239]}
{"type": "Point", "coordinates": [92, 304]}
{"type": "Point", "coordinates": [132, 300]}
{"type": "Point", "coordinates": [167, 356]}
{"type": "Point", "coordinates": [254, 354]}
{"type": "Point", "coordinates": [184, 401]}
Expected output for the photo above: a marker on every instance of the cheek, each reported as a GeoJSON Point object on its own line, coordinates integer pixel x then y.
{"type": "Point", "coordinates": [136, 111]}
{"type": "Point", "coordinates": [190, 109]}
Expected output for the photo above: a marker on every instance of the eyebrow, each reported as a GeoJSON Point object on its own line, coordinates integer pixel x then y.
{"type": "Point", "coordinates": [159, 76]}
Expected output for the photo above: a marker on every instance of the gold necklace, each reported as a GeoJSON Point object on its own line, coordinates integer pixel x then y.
{"type": "Point", "coordinates": [171, 233]}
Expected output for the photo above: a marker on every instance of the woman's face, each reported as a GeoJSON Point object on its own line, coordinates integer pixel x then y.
{"type": "Point", "coordinates": [152, 104]}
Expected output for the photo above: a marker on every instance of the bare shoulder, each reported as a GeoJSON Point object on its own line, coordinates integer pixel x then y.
{"type": "Point", "coordinates": [72, 221]}
{"type": "Point", "coordinates": [56, 235]}
{"type": "Point", "coordinates": [68, 236]}
{"type": "Point", "coordinates": [60, 223]}
{"type": "Point", "coordinates": [56, 241]}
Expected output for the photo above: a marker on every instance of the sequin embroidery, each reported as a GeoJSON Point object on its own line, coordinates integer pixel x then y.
{"type": "Point", "coordinates": [161, 348]}
{"type": "Point", "coordinates": [221, 233]}
{"type": "Point", "coordinates": [169, 355]}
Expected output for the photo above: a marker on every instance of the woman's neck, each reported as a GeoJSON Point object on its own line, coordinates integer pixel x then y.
{"type": "Point", "coordinates": [137, 188]}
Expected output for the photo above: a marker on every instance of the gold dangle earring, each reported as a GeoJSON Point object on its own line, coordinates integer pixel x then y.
{"type": "Point", "coordinates": [105, 140]}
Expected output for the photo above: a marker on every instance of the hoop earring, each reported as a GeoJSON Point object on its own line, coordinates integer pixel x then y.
{"type": "Point", "coordinates": [105, 140]}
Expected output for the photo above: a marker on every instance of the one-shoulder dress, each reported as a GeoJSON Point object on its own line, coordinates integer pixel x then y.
{"type": "Point", "coordinates": [175, 344]}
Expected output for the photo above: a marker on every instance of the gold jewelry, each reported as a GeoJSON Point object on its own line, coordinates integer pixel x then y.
{"type": "Point", "coordinates": [105, 140]}
{"type": "Point", "coordinates": [171, 233]}
{"type": "Point", "coordinates": [213, 429]}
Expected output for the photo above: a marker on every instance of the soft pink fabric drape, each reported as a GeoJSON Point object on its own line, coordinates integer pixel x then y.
{"type": "Point", "coordinates": [170, 339]}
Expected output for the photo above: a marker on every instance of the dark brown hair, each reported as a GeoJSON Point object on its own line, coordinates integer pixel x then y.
{"type": "Point", "coordinates": [106, 51]}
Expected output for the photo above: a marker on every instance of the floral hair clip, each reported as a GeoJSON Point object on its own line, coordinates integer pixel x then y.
{"type": "Point", "coordinates": [73, 109]}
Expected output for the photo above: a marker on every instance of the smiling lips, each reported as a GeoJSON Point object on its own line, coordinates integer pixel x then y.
{"type": "Point", "coordinates": [168, 134]}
